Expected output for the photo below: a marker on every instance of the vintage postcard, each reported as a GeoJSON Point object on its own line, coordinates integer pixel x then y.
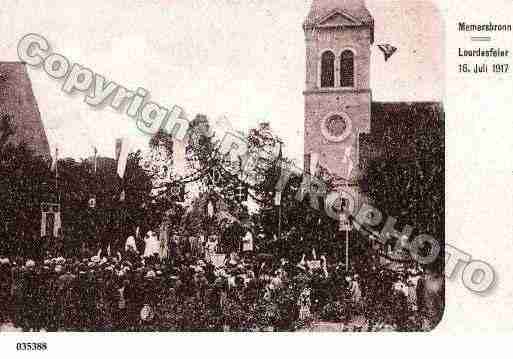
{"type": "Point", "coordinates": [229, 166]}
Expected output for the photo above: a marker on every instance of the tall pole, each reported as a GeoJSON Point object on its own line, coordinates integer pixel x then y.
{"type": "Point", "coordinates": [347, 250]}
{"type": "Point", "coordinates": [280, 155]}
{"type": "Point", "coordinates": [57, 175]}
{"type": "Point", "coordinates": [279, 222]}
{"type": "Point", "coordinates": [57, 187]}
{"type": "Point", "coordinates": [358, 165]}
{"type": "Point", "coordinates": [345, 227]}
{"type": "Point", "coordinates": [209, 224]}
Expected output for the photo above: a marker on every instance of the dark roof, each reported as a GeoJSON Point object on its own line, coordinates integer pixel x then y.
{"type": "Point", "coordinates": [354, 8]}
{"type": "Point", "coordinates": [387, 114]}
{"type": "Point", "coordinates": [17, 101]}
{"type": "Point", "coordinates": [395, 127]}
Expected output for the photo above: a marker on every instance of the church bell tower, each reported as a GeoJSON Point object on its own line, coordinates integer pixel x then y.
{"type": "Point", "coordinates": [338, 36]}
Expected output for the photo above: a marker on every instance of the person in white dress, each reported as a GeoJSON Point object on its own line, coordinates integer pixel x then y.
{"type": "Point", "coordinates": [152, 245]}
{"type": "Point", "coordinates": [131, 245]}
{"type": "Point", "coordinates": [247, 242]}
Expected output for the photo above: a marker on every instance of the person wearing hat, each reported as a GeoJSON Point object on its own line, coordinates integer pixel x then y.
{"type": "Point", "coordinates": [210, 248]}
{"type": "Point", "coordinates": [184, 244]}
{"type": "Point", "coordinates": [120, 305]}
{"type": "Point", "coordinates": [32, 283]}
{"type": "Point", "coordinates": [5, 288]}
{"type": "Point", "coordinates": [147, 300]}
{"type": "Point", "coordinates": [355, 294]}
{"type": "Point", "coordinates": [247, 242]}
{"type": "Point", "coordinates": [196, 246]}
{"type": "Point", "coordinates": [66, 302]}
{"type": "Point", "coordinates": [398, 304]}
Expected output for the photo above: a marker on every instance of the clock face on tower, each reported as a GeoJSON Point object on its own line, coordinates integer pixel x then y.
{"type": "Point", "coordinates": [336, 127]}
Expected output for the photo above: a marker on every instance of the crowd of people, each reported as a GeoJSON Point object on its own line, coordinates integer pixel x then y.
{"type": "Point", "coordinates": [186, 284]}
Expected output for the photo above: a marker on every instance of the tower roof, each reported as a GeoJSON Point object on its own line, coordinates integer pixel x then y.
{"type": "Point", "coordinates": [20, 120]}
{"type": "Point", "coordinates": [356, 9]}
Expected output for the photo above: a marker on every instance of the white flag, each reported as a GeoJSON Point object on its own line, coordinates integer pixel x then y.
{"type": "Point", "coordinates": [314, 162]}
{"type": "Point", "coordinates": [123, 157]}
{"type": "Point", "coordinates": [57, 224]}
{"type": "Point", "coordinates": [55, 159]}
{"type": "Point", "coordinates": [277, 199]}
{"type": "Point", "coordinates": [95, 159]}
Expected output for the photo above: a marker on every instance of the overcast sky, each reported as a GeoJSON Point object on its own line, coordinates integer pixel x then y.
{"type": "Point", "coordinates": [242, 58]}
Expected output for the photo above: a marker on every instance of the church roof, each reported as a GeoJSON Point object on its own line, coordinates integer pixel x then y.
{"type": "Point", "coordinates": [356, 9]}
{"type": "Point", "coordinates": [395, 127]}
{"type": "Point", "coordinates": [386, 114]}
{"type": "Point", "coordinates": [19, 113]}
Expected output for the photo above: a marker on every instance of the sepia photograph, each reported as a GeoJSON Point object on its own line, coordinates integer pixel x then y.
{"type": "Point", "coordinates": [222, 166]}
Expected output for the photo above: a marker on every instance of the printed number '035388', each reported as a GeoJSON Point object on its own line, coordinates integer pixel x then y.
{"type": "Point", "coordinates": [31, 346]}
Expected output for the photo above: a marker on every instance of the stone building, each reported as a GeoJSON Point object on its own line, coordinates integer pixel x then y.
{"type": "Point", "coordinates": [339, 111]}
{"type": "Point", "coordinates": [20, 120]}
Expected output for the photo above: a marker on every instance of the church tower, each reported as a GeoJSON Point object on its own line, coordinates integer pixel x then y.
{"type": "Point", "coordinates": [338, 35]}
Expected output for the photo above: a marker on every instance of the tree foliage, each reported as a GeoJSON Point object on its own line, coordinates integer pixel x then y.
{"type": "Point", "coordinates": [24, 180]}
{"type": "Point", "coordinates": [406, 179]}
{"type": "Point", "coordinates": [27, 182]}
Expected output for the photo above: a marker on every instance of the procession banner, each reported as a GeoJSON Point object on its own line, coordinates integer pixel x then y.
{"type": "Point", "coordinates": [123, 156]}
{"type": "Point", "coordinates": [50, 219]}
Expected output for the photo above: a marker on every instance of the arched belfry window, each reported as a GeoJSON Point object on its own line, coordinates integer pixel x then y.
{"type": "Point", "coordinates": [328, 69]}
{"type": "Point", "coordinates": [347, 69]}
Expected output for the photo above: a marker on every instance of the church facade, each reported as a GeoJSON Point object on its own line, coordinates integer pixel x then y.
{"type": "Point", "coordinates": [340, 116]}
